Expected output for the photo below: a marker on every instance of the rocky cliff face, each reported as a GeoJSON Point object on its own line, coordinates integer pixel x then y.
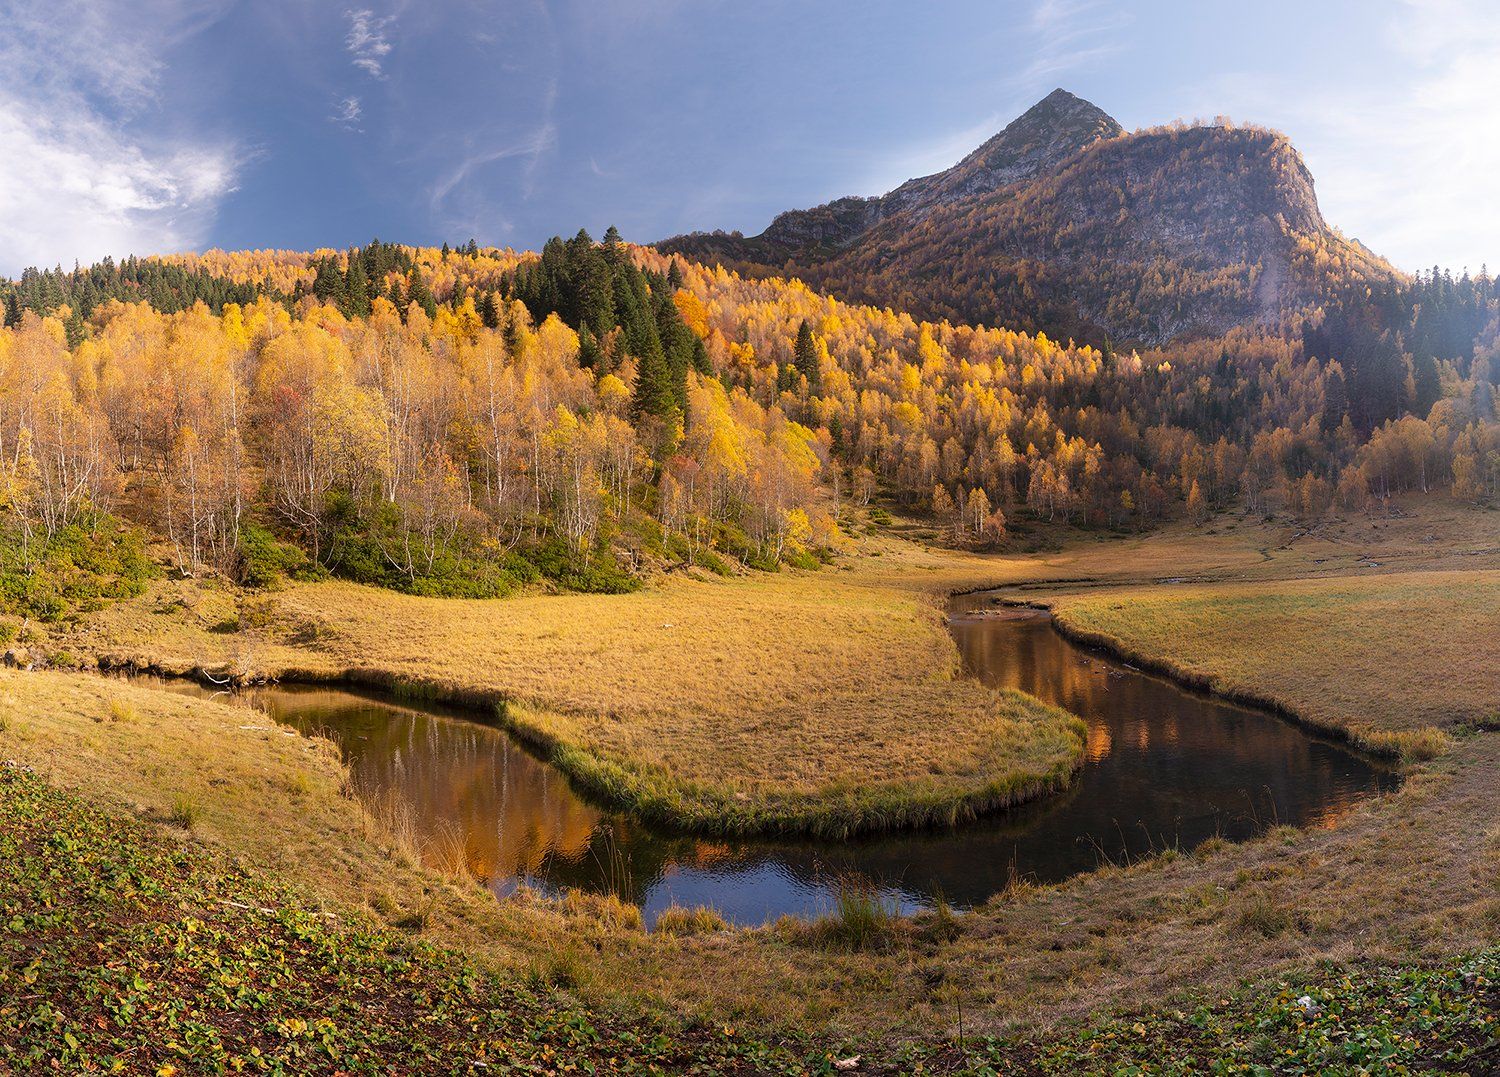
{"type": "Point", "coordinates": [1064, 222]}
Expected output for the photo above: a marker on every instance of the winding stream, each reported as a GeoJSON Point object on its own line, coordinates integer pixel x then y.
{"type": "Point", "coordinates": [1164, 766]}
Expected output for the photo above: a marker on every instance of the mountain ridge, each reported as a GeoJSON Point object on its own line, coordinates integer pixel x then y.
{"type": "Point", "coordinates": [1065, 222]}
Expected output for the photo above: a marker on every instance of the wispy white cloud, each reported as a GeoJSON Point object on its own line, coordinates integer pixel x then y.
{"type": "Point", "coordinates": [455, 201]}
{"type": "Point", "coordinates": [347, 112]}
{"type": "Point", "coordinates": [1065, 35]}
{"type": "Point", "coordinates": [80, 176]}
{"type": "Point", "coordinates": [367, 41]}
{"type": "Point", "coordinates": [460, 201]}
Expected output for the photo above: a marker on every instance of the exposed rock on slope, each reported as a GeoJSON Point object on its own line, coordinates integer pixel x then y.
{"type": "Point", "coordinates": [1063, 222]}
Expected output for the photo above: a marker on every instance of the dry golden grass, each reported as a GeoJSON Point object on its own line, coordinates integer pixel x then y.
{"type": "Point", "coordinates": [1356, 656]}
{"type": "Point", "coordinates": [1400, 877]}
{"type": "Point", "coordinates": [1381, 651]}
{"type": "Point", "coordinates": [829, 701]}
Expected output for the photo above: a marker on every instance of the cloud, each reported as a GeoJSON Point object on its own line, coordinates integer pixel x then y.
{"type": "Point", "coordinates": [474, 208]}
{"type": "Point", "coordinates": [367, 41]}
{"type": "Point", "coordinates": [1069, 34]}
{"type": "Point", "coordinates": [85, 172]}
{"type": "Point", "coordinates": [74, 189]}
{"type": "Point", "coordinates": [459, 202]}
{"type": "Point", "coordinates": [1437, 139]}
{"type": "Point", "coordinates": [347, 112]}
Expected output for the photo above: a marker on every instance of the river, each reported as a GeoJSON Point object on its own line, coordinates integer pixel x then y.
{"type": "Point", "coordinates": [1165, 767]}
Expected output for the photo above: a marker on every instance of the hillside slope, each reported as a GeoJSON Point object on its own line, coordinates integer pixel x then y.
{"type": "Point", "coordinates": [1064, 223]}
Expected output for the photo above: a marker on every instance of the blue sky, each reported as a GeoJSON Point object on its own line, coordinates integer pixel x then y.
{"type": "Point", "coordinates": [146, 126]}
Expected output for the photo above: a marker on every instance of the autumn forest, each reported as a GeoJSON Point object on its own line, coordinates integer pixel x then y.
{"type": "Point", "coordinates": [465, 421]}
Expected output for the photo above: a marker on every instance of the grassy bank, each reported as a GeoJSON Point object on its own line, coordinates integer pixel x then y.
{"type": "Point", "coordinates": [126, 949]}
{"type": "Point", "coordinates": [1325, 650]}
{"type": "Point", "coordinates": [827, 702]}
{"type": "Point", "coordinates": [1391, 644]}
{"type": "Point", "coordinates": [1404, 882]}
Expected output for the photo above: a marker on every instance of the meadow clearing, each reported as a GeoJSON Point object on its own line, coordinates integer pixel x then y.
{"type": "Point", "coordinates": [1409, 879]}
{"type": "Point", "coordinates": [827, 702]}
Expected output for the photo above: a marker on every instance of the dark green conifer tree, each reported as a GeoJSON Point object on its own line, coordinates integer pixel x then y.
{"type": "Point", "coordinates": [488, 314]}
{"type": "Point", "coordinates": [805, 358]}
{"type": "Point", "coordinates": [590, 356]}
{"type": "Point", "coordinates": [356, 288]}
{"type": "Point", "coordinates": [417, 292]}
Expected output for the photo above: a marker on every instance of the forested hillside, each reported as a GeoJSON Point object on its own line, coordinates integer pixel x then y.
{"type": "Point", "coordinates": [464, 421]}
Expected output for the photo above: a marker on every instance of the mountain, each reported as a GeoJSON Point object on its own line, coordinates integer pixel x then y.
{"type": "Point", "coordinates": [1064, 222]}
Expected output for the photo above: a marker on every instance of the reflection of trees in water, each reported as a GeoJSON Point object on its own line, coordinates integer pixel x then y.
{"type": "Point", "coordinates": [510, 811]}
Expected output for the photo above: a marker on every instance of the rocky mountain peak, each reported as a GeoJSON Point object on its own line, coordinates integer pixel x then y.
{"type": "Point", "coordinates": [1048, 133]}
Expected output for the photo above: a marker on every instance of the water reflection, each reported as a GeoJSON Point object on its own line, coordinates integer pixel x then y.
{"type": "Point", "coordinates": [1164, 767]}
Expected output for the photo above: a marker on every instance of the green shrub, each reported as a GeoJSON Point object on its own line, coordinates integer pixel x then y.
{"type": "Point", "coordinates": [82, 567]}
{"type": "Point", "coordinates": [802, 559]}
{"type": "Point", "coordinates": [714, 563]}
{"type": "Point", "coordinates": [264, 560]}
{"type": "Point", "coordinates": [466, 567]}
{"type": "Point", "coordinates": [599, 574]}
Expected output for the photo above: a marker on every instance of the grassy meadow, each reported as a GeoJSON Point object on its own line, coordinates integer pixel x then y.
{"type": "Point", "coordinates": [827, 702]}
{"type": "Point", "coordinates": [1321, 649]}
{"type": "Point", "coordinates": [1344, 627]}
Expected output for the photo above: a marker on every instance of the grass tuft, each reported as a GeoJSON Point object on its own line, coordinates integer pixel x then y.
{"type": "Point", "coordinates": [1266, 917]}
{"type": "Point", "coordinates": [185, 811]}
{"type": "Point", "coordinates": [123, 711]}
{"type": "Point", "coordinates": [941, 925]}
{"type": "Point", "coordinates": [605, 911]}
{"type": "Point", "coordinates": [861, 919]}
{"type": "Point", "coordinates": [681, 921]}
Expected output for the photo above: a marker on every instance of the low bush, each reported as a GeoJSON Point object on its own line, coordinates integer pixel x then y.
{"type": "Point", "coordinates": [264, 560]}
{"type": "Point", "coordinates": [79, 569]}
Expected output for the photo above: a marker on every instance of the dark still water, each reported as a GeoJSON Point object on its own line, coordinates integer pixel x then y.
{"type": "Point", "coordinates": [1164, 766]}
